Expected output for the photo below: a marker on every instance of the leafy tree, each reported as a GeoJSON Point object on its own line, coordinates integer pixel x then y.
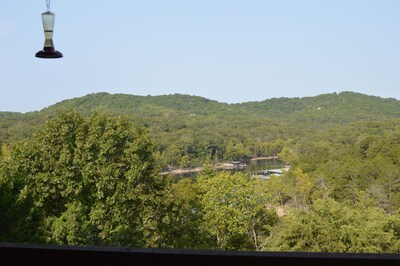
{"type": "Point", "coordinates": [19, 218]}
{"type": "Point", "coordinates": [287, 155]}
{"type": "Point", "coordinates": [280, 188]}
{"type": "Point", "coordinates": [93, 181]}
{"type": "Point", "coordinates": [172, 155]}
{"type": "Point", "coordinates": [236, 151]}
{"type": "Point", "coordinates": [182, 223]}
{"type": "Point", "coordinates": [235, 211]}
{"type": "Point", "coordinates": [333, 227]}
{"type": "Point", "coordinates": [184, 162]}
{"type": "Point", "coordinates": [303, 187]}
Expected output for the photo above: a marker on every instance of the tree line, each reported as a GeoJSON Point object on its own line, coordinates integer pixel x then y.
{"type": "Point", "coordinates": [94, 180]}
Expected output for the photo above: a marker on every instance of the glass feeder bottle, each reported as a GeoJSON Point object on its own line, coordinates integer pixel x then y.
{"type": "Point", "coordinates": [48, 19]}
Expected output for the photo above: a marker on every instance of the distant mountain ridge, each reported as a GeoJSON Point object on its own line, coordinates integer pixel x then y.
{"type": "Point", "coordinates": [172, 112]}
{"type": "Point", "coordinates": [143, 105]}
{"type": "Point", "coordinates": [178, 117]}
{"type": "Point", "coordinates": [344, 106]}
{"type": "Point", "coordinates": [338, 107]}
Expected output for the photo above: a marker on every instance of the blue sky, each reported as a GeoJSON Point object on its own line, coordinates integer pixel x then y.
{"type": "Point", "coordinates": [226, 50]}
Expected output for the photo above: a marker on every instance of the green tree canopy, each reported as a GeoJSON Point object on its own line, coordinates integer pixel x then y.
{"type": "Point", "coordinates": [92, 180]}
{"type": "Point", "coordinates": [333, 227]}
{"type": "Point", "coordinates": [235, 210]}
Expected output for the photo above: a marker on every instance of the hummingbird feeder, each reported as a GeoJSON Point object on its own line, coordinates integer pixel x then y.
{"type": "Point", "coordinates": [48, 19]}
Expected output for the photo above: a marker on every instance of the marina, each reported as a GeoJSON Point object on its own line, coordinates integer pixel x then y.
{"type": "Point", "coordinates": [262, 168]}
{"type": "Point", "coordinates": [266, 174]}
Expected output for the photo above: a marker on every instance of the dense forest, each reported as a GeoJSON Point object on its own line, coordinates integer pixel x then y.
{"type": "Point", "coordinates": [86, 171]}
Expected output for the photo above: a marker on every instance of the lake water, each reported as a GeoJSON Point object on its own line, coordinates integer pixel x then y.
{"type": "Point", "coordinates": [252, 166]}
{"type": "Point", "coordinates": [264, 164]}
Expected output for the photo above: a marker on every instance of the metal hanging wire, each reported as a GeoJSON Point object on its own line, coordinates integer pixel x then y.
{"type": "Point", "coordinates": [48, 5]}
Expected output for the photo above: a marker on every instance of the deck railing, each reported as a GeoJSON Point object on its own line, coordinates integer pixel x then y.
{"type": "Point", "coordinates": [14, 254]}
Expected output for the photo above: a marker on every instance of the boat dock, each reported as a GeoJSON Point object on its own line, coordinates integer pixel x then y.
{"type": "Point", "coordinates": [265, 174]}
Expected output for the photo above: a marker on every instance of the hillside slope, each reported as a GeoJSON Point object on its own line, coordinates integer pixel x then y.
{"type": "Point", "coordinates": [178, 113]}
{"type": "Point", "coordinates": [342, 107]}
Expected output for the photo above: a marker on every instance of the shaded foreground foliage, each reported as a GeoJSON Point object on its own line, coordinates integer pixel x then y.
{"type": "Point", "coordinates": [93, 180]}
{"type": "Point", "coordinates": [82, 181]}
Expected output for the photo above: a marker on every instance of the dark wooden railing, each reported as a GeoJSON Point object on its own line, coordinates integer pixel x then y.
{"type": "Point", "coordinates": [28, 254]}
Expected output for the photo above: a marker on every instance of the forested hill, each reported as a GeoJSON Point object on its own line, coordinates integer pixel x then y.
{"type": "Point", "coordinates": [177, 115]}
{"type": "Point", "coordinates": [341, 107]}
{"type": "Point", "coordinates": [148, 106]}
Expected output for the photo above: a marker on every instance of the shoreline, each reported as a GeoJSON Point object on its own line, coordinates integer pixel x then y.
{"type": "Point", "coordinates": [223, 166]}
{"type": "Point", "coordinates": [265, 158]}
